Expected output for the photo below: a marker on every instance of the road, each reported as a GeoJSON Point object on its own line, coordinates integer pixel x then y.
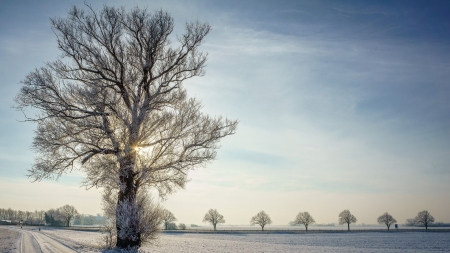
{"type": "Point", "coordinates": [34, 241]}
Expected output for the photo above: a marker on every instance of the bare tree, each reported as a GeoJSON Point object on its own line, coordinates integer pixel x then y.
{"type": "Point", "coordinates": [21, 215]}
{"type": "Point", "coordinates": [114, 106]}
{"type": "Point", "coordinates": [213, 217]}
{"type": "Point", "coordinates": [67, 212]}
{"type": "Point", "coordinates": [182, 226]}
{"type": "Point", "coordinates": [410, 222]}
{"type": "Point", "coordinates": [261, 219]}
{"type": "Point", "coordinates": [167, 218]}
{"type": "Point", "coordinates": [304, 218]}
{"type": "Point", "coordinates": [345, 217]}
{"type": "Point", "coordinates": [11, 214]}
{"type": "Point", "coordinates": [386, 219]}
{"type": "Point", "coordinates": [424, 218]}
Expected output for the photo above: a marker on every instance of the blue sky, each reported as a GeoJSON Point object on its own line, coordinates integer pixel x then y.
{"type": "Point", "coordinates": [342, 105]}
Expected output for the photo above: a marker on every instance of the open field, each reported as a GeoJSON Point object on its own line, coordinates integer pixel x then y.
{"type": "Point", "coordinates": [359, 241]}
{"type": "Point", "coordinates": [9, 240]}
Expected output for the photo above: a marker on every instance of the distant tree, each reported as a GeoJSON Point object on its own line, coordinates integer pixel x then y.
{"type": "Point", "coordinates": [261, 219]}
{"type": "Point", "coordinates": [424, 218]}
{"type": "Point", "coordinates": [21, 215]}
{"type": "Point", "coordinates": [171, 226]}
{"type": "Point", "coordinates": [386, 219]}
{"type": "Point", "coordinates": [54, 218]}
{"type": "Point", "coordinates": [28, 217]}
{"type": "Point", "coordinates": [167, 218]}
{"type": "Point", "coordinates": [10, 214]}
{"type": "Point", "coordinates": [182, 226]}
{"type": "Point", "coordinates": [305, 219]}
{"type": "Point", "coordinates": [410, 222]}
{"type": "Point", "coordinates": [67, 212]}
{"type": "Point", "coordinates": [88, 219]}
{"type": "Point", "coordinates": [213, 217]}
{"type": "Point", "coordinates": [77, 219]}
{"type": "Point", "coordinates": [345, 217]}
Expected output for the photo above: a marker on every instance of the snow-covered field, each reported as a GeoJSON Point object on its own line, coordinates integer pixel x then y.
{"type": "Point", "coordinates": [317, 242]}
{"type": "Point", "coordinates": [363, 242]}
{"type": "Point", "coordinates": [9, 240]}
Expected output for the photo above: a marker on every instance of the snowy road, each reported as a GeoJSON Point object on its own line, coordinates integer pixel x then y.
{"type": "Point", "coordinates": [33, 241]}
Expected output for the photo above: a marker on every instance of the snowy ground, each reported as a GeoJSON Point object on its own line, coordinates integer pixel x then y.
{"type": "Point", "coordinates": [318, 243]}
{"type": "Point", "coordinates": [60, 240]}
{"type": "Point", "coordinates": [9, 241]}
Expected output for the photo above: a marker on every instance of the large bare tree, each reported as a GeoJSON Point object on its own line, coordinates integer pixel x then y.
{"type": "Point", "coordinates": [386, 219]}
{"type": "Point", "coordinates": [213, 217]}
{"type": "Point", "coordinates": [304, 218]}
{"type": "Point", "coordinates": [424, 218]}
{"type": "Point", "coordinates": [113, 106]}
{"type": "Point", "coordinates": [261, 219]}
{"type": "Point", "coordinates": [345, 217]}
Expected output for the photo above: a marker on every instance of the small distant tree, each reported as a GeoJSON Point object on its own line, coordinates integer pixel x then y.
{"type": "Point", "coordinates": [171, 226]}
{"type": "Point", "coordinates": [304, 218]}
{"type": "Point", "coordinates": [345, 217]}
{"type": "Point", "coordinates": [67, 212]}
{"type": "Point", "coordinates": [424, 218]}
{"type": "Point", "coordinates": [29, 217]}
{"type": "Point", "coordinates": [167, 218]}
{"type": "Point", "coordinates": [261, 219]}
{"type": "Point", "coordinates": [182, 226]}
{"type": "Point", "coordinates": [386, 219]}
{"type": "Point", "coordinates": [213, 217]}
{"type": "Point", "coordinates": [21, 215]}
{"type": "Point", "coordinates": [410, 222]}
{"type": "Point", "coordinates": [54, 218]}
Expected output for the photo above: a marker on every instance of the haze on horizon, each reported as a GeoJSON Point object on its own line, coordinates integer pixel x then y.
{"type": "Point", "coordinates": [342, 105]}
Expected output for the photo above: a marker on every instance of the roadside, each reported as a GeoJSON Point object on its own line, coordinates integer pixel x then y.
{"type": "Point", "coordinates": [9, 241]}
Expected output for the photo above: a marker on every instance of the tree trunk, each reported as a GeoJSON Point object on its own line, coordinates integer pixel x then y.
{"type": "Point", "coordinates": [348, 225]}
{"type": "Point", "coordinates": [214, 227]}
{"type": "Point", "coordinates": [128, 235]}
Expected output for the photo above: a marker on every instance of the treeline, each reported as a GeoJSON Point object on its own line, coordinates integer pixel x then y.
{"type": "Point", "coordinates": [423, 218]}
{"type": "Point", "coordinates": [25, 217]}
{"type": "Point", "coordinates": [89, 220]}
{"type": "Point", "coordinates": [58, 217]}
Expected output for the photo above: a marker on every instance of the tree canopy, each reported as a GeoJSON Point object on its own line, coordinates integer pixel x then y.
{"type": "Point", "coordinates": [386, 219]}
{"type": "Point", "coordinates": [261, 219]}
{"type": "Point", "coordinates": [213, 217]}
{"type": "Point", "coordinates": [345, 217]}
{"type": "Point", "coordinates": [305, 219]}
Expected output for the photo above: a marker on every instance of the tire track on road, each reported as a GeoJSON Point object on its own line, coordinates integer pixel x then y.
{"type": "Point", "coordinates": [37, 242]}
{"type": "Point", "coordinates": [29, 244]}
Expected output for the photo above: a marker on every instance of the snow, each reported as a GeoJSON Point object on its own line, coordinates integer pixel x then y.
{"type": "Point", "coordinates": [318, 243]}
{"type": "Point", "coordinates": [324, 242]}
{"type": "Point", "coordinates": [9, 241]}
{"type": "Point", "coordinates": [85, 238]}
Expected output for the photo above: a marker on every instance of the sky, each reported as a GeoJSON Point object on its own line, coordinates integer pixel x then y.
{"type": "Point", "coordinates": [341, 105]}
